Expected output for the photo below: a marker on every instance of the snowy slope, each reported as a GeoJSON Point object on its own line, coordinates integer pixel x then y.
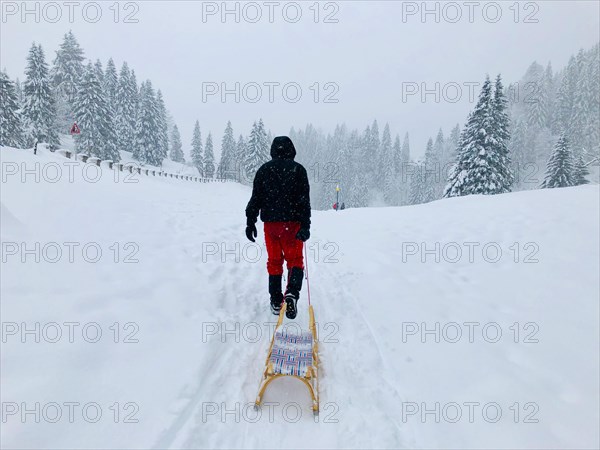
{"type": "Point", "coordinates": [195, 301]}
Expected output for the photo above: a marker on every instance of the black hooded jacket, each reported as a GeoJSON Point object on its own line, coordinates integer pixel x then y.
{"type": "Point", "coordinates": [281, 191]}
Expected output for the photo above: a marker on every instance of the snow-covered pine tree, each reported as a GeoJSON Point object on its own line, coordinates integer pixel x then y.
{"type": "Point", "coordinates": [565, 96]}
{"type": "Point", "coordinates": [240, 157]}
{"type": "Point", "coordinates": [66, 71]}
{"type": "Point", "coordinates": [111, 83]}
{"type": "Point", "coordinates": [176, 146]}
{"type": "Point", "coordinates": [19, 93]}
{"type": "Point", "coordinates": [439, 177]}
{"type": "Point", "coordinates": [549, 87]}
{"type": "Point", "coordinates": [265, 141]}
{"type": "Point", "coordinates": [125, 110]}
{"type": "Point", "coordinates": [257, 150]}
{"type": "Point", "coordinates": [148, 148]}
{"type": "Point", "coordinates": [397, 152]}
{"type": "Point", "coordinates": [417, 184]}
{"type": "Point", "coordinates": [227, 165]}
{"type": "Point", "coordinates": [405, 171]}
{"type": "Point", "coordinates": [163, 130]}
{"type": "Point", "coordinates": [374, 143]}
{"type": "Point", "coordinates": [405, 155]}
{"type": "Point", "coordinates": [451, 147]}
{"type": "Point", "coordinates": [94, 118]}
{"type": "Point", "coordinates": [593, 119]}
{"type": "Point", "coordinates": [209, 158]}
{"type": "Point", "coordinates": [99, 71]}
{"type": "Point", "coordinates": [387, 166]}
{"type": "Point", "coordinates": [39, 109]}
{"type": "Point", "coordinates": [536, 97]}
{"type": "Point", "coordinates": [10, 120]}
{"type": "Point", "coordinates": [580, 171]}
{"type": "Point", "coordinates": [501, 137]}
{"type": "Point", "coordinates": [430, 170]}
{"type": "Point", "coordinates": [135, 89]}
{"type": "Point", "coordinates": [482, 166]}
{"type": "Point", "coordinates": [559, 171]}
{"type": "Point", "coordinates": [197, 152]}
{"type": "Point", "coordinates": [518, 151]}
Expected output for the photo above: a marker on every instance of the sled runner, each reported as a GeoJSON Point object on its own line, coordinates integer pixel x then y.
{"type": "Point", "coordinates": [292, 355]}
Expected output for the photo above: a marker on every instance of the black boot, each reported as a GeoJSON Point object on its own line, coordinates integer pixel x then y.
{"type": "Point", "coordinates": [292, 293]}
{"type": "Point", "coordinates": [275, 292]}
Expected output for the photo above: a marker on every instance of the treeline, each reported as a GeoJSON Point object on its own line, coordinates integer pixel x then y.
{"type": "Point", "coordinates": [544, 122]}
{"type": "Point", "coordinates": [509, 142]}
{"type": "Point", "coordinates": [113, 114]}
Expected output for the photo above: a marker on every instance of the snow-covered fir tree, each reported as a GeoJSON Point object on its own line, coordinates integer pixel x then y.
{"type": "Point", "coordinates": [111, 83]}
{"type": "Point", "coordinates": [227, 164]}
{"type": "Point", "coordinates": [397, 152]}
{"type": "Point", "coordinates": [387, 167]}
{"type": "Point", "coordinates": [209, 158]}
{"type": "Point", "coordinates": [482, 165]}
{"type": "Point", "coordinates": [501, 137]}
{"type": "Point", "coordinates": [99, 71]}
{"type": "Point", "coordinates": [451, 148]}
{"type": "Point", "coordinates": [125, 110]}
{"type": "Point", "coordinates": [197, 153]}
{"type": "Point", "coordinates": [430, 171]}
{"type": "Point", "coordinates": [148, 147]}
{"type": "Point", "coordinates": [417, 184]}
{"type": "Point", "coordinates": [39, 110]}
{"type": "Point", "coordinates": [135, 88]}
{"type": "Point", "coordinates": [257, 150]}
{"type": "Point", "coordinates": [10, 120]}
{"type": "Point", "coordinates": [67, 69]}
{"type": "Point", "coordinates": [580, 171]}
{"type": "Point", "coordinates": [373, 149]}
{"type": "Point", "coordinates": [404, 173]}
{"type": "Point", "coordinates": [163, 128]}
{"type": "Point", "coordinates": [94, 118]}
{"type": "Point", "coordinates": [240, 157]}
{"type": "Point", "coordinates": [19, 93]}
{"type": "Point", "coordinates": [518, 147]}
{"type": "Point", "coordinates": [176, 146]}
{"type": "Point", "coordinates": [440, 176]}
{"type": "Point", "coordinates": [559, 171]}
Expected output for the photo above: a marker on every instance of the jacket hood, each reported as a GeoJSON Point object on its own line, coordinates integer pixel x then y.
{"type": "Point", "coordinates": [283, 148]}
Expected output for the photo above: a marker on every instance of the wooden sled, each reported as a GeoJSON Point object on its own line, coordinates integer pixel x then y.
{"type": "Point", "coordinates": [294, 356]}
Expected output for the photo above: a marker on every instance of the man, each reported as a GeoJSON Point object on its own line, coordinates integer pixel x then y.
{"type": "Point", "coordinates": [281, 194]}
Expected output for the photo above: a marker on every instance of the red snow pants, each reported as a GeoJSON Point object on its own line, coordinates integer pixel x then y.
{"type": "Point", "coordinates": [282, 244]}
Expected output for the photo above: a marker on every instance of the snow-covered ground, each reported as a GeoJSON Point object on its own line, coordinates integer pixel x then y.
{"type": "Point", "coordinates": [492, 345]}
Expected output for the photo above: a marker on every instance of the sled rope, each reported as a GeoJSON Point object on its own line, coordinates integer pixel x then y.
{"type": "Point", "coordinates": [307, 282]}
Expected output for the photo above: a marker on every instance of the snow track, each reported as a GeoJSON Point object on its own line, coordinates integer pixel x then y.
{"type": "Point", "coordinates": [197, 297]}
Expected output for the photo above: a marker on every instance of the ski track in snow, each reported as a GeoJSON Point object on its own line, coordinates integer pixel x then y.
{"type": "Point", "coordinates": [349, 328]}
{"type": "Point", "coordinates": [366, 371]}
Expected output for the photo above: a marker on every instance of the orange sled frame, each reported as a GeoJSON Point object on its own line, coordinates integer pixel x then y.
{"type": "Point", "coordinates": [310, 379]}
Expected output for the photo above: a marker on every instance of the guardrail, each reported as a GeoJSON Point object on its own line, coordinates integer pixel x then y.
{"type": "Point", "coordinates": [134, 168]}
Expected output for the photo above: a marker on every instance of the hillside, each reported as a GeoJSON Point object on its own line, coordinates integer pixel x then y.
{"type": "Point", "coordinates": [468, 305]}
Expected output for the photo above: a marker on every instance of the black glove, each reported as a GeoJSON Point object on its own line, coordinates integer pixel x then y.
{"type": "Point", "coordinates": [303, 234]}
{"type": "Point", "coordinates": [251, 232]}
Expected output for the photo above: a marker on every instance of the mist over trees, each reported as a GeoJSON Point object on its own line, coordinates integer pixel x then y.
{"type": "Point", "coordinates": [541, 131]}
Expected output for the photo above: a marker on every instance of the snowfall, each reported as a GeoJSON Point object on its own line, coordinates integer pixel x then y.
{"type": "Point", "coordinates": [135, 315]}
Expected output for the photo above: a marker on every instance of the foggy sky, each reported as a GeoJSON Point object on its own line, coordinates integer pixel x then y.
{"type": "Point", "coordinates": [368, 54]}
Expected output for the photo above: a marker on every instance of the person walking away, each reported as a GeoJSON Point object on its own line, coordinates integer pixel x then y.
{"type": "Point", "coordinates": [281, 194]}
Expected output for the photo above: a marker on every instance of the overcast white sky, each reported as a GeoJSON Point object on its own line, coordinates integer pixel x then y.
{"type": "Point", "coordinates": [369, 53]}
